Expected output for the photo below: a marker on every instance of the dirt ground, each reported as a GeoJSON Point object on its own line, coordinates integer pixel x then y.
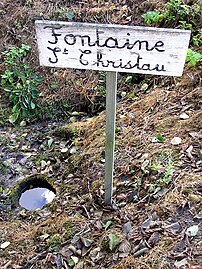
{"type": "Point", "coordinates": [155, 218]}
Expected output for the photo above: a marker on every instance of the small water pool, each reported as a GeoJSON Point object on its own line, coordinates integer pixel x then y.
{"type": "Point", "coordinates": [36, 198]}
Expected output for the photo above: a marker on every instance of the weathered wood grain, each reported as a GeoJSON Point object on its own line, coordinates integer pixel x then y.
{"type": "Point", "coordinates": [111, 89]}
{"type": "Point", "coordinates": [130, 49]}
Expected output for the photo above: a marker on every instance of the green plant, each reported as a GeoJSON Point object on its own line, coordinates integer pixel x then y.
{"type": "Point", "coordinates": [160, 138]}
{"type": "Point", "coordinates": [193, 57]}
{"type": "Point", "coordinates": [174, 13]}
{"type": "Point", "coordinates": [20, 83]}
{"type": "Point", "coordinates": [153, 16]}
{"type": "Point", "coordinates": [101, 88]}
{"type": "Point", "coordinates": [176, 8]}
{"type": "Point", "coordinates": [197, 39]}
{"type": "Point", "coordinates": [114, 241]}
{"type": "Point", "coordinates": [64, 13]}
{"type": "Point", "coordinates": [168, 172]}
{"type": "Point", "coordinates": [157, 172]}
{"type": "Point", "coordinates": [128, 79]}
{"type": "Point", "coordinates": [70, 229]}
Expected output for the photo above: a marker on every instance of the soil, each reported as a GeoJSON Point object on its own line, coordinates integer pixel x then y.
{"type": "Point", "coordinates": [155, 217]}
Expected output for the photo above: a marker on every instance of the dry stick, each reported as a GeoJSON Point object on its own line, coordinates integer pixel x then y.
{"type": "Point", "coordinates": [6, 265]}
{"type": "Point", "coordinates": [111, 87]}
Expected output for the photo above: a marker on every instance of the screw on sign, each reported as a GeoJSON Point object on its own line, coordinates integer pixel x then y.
{"type": "Point", "coordinates": [112, 48]}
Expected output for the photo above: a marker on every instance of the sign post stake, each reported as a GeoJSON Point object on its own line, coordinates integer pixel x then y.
{"type": "Point", "coordinates": [112, 48]}
{"type": "Point", "coordinates": [111, 88]}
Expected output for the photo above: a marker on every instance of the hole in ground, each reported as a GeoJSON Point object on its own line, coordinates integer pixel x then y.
{"type": "Point", "coordinates": [35, 192]}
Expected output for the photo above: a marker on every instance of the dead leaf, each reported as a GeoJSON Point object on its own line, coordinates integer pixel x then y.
{"type": "Point", "coordinates": [172, 228]}
{"type": "Point", "coordinates": [195, 266]}
{"type": "Point", "coordinates": [192, 230]}
{"type": "Point", "coordinates": [180, 264]}
{"type": "Point", "coordinates": [141, 252]}
{"type": "Point", "coordinates": [195, 135]}
{"type": "Point", "coordinates": [87, 242]}
{"type": "Point", "coordinates": [79, 265]}
{"type": "Point", "coordinates": [125, 247]}
{"type": "Point", "coordinates": [95, 253]}
{"type": "Point", "coordinates": [154, 238]}
{"type": "Point", "coordinates": [147, 223]}
{"type": "Point", "coordinates": [199, 215]}
{"type": "Point", "coordinates": [189, 151]}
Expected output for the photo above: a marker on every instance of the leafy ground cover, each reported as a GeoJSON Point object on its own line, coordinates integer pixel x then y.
{"type": "Point", "coordinates": [155, 218]}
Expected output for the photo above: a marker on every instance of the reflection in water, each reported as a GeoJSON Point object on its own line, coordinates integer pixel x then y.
{"type": "Point", "coordinates": [36, 198]}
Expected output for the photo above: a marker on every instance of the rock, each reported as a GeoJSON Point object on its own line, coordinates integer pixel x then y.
{"type": "Point", "coordinates": [72, 248]}
{"type": "Point", "coordinates": [176, 141]}
{"type": "Point", "coordinates": [147, 223]}
{"type": "Point", "coordinates": [72, 119]}
{"type": "Point", "coordinates": [184, 116]}
{"type": "Point", "coordinates": [5, 245]}
{"type": "Point", "coordinates": [23, 161]}
{"type": "Point", "coordinates": [181, 264]}
{"type": "Point", "coordinates": [66, 252]}
{"type": "Point", "coordinates": [123, 94]}
{"type": "Point", "coordinates": [73, 150]}
{"type": "Point", "coordinates": [75, 113]}
{"type": "Point", "coordinates": [127, 227]}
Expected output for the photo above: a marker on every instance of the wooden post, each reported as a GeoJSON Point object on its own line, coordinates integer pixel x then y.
{"type": "Point", "coordinates": [111, 88]}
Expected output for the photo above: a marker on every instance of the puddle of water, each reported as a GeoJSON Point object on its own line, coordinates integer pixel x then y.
{"type": "Point", "coordinates": [36, 198]}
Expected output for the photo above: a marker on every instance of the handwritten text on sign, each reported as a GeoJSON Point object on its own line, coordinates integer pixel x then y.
{"type": "Point", "coordinates": [117, 48]}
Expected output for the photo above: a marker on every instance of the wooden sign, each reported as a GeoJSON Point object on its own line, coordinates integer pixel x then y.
{"type": "Point", "coordinates": [117, 48]}
{"type": "Point", "coordinates": [112, 48]}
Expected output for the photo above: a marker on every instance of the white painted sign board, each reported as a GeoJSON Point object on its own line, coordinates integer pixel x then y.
{"type": "Point", "coordinates": [131, 49]}
{"type": "Point", "coordinates": [112, 48]}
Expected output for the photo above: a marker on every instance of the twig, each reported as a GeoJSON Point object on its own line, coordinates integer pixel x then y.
{"type": "Point", "coordinates": [88, 215]}
{"type": "Point", "coordinates": [6, 265]}
{"type": "Point", "coordinates": [28, 264]}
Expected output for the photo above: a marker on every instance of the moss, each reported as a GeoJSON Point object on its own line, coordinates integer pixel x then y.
{"type": "Point", "coordinates": [105, 244]}
{"type": "Point", "coordinates": [54, 240]}
{"type": "Point", "coordinates": [186, 191]}
{"type": "Point", "coordinates": [69, 229]}
{"type": "Point", "coordinates": [167, 123]}
{"type": "Point", "coordinates": [4, 253]}
{"type": "Point", "coordinates": [96, 184]}
{"type": "Point", "coordinates": [74, 162]}
{"type": "Point", "coordinates": [65, 132]}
